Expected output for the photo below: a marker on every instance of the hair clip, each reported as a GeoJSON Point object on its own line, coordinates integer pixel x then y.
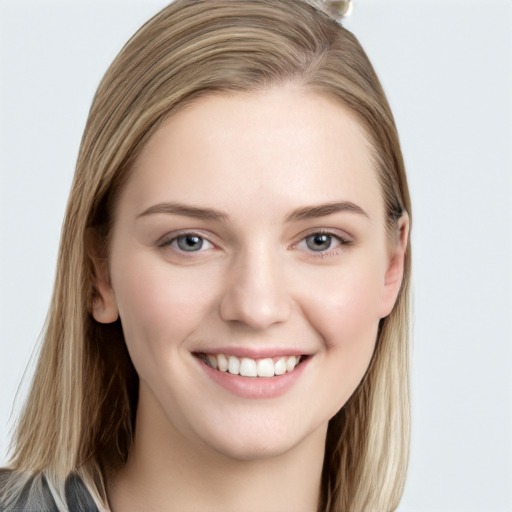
{"type": "Point", "coordinates": [337, 9]}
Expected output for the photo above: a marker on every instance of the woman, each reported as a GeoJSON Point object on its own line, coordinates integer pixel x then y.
{"type": "Point", "coordinates": [229, 323]}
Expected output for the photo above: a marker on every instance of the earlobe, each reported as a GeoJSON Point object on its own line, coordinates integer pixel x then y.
{"type": "Point", "coordinates": [395, 270]}
{"type": "Point", "coordinates": [104, 305]}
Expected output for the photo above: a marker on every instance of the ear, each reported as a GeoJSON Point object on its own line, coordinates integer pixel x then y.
{"type": "Point", "coordinates": [104, 305]}
{"type": "Point", "coordinates": [395, 269]}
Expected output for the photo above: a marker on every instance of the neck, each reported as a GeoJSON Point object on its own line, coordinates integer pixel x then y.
{"type": "Point", "coordinates": [168, 472]}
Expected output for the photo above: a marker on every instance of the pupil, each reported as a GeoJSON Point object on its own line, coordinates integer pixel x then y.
{"type": "Point", "coordinates": [190, 243]}
{"type": "Point", "coordinates": [318, 242]}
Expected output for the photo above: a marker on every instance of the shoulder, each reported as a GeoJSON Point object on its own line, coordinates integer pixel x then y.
{"type": "Point", "coordinates": [77, 495]}
{"type": "Point", "coordinates": [21, 491]}
{"type": "Point", "coordinates": [25, 492]}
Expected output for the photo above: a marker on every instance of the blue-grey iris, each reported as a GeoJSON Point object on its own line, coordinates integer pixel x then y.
{"type": "Point", "coordinates": [189, 243]}
{"type": "Point", "coordinates": [319, 242]}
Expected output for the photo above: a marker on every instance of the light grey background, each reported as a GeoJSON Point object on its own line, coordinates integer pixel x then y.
{"type": "Point", "coordinates": [447, 69]}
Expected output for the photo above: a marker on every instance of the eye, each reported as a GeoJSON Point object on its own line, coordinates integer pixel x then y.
{"type": "Point", "coordinates": [322, 243]}
{"type": "Point", "coordinates": [189, 242]}
{"type": "Point", "coordinates": [319, 242]}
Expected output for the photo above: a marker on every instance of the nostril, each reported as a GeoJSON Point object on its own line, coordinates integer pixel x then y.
{"type": "Point", "coordinates": [257, 310]}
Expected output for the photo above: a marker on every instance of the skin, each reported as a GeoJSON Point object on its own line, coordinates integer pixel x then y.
{"type": "Point", "coordinates": [257, 282]}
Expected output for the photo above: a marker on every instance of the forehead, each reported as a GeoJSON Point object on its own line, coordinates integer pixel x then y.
{"type": "Point", "coordinates": [228, 150]}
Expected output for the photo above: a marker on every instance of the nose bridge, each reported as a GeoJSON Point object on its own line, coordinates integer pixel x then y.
{"type": "Point", "coordinates": [255, 293]}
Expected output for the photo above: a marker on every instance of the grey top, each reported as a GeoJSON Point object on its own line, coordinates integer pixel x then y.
{"type": "Point", "coordinates": [35, 496]}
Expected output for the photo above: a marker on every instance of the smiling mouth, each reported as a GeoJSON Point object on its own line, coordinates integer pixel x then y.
{"type": "Point", "coordinates": [247, 367]}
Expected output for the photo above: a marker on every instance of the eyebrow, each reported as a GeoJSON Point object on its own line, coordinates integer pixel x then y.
{"type": "Point", "coordinates": [186, 211]}
{"type": "Point", "coordinates": [322, 210]}
{"type": "Point", "coordinates": [303, 213]}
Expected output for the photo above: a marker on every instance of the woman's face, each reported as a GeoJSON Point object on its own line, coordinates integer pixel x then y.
{"type": "Point", "coordinates": [251, 234]}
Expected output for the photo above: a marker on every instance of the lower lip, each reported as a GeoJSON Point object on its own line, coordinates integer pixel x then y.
{"type": "Point", "coordinates": [255, 387]}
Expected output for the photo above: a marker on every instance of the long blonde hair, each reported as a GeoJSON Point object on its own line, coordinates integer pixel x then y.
{"type": "Point", "coordinates": [79, 415]}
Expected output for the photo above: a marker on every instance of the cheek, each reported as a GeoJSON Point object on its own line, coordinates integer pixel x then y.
{"type": "Point", "coordinates": [345, 310]}
{"type": "Point", "coordinates": [159, 305]}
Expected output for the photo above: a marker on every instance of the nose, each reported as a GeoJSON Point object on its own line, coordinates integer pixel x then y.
{"type": "Point", "coordinates": [255, 294]}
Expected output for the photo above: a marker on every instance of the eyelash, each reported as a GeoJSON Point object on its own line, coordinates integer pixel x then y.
{"type": "Point", "coordinates": [168, 242]}
{"type": "Point", "coordinates": [342, 242]}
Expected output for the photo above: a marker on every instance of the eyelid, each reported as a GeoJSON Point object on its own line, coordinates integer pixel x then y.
{"type": "Point", "coordinates": [334, 232]}
{"type": "Point", "coordinates": [167, 239]}
{"type": "Point", "coordinates": [344, 240]}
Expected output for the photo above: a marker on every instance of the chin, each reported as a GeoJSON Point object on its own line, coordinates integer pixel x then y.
{"type": "Point", "coordinates": [252, 450]}
{"type": "Point", "coordinates": [259, 440]}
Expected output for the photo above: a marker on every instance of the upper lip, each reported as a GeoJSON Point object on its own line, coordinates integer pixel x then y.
{"type": "Point", "coordinates": [254, 352]}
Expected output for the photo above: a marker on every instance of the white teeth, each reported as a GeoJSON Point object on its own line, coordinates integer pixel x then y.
{"type": "Point", "coordinates": [280, 366]}
{"type": "Point", "coordinates": [212, 360]}
{"type": "Point", "coordinates": [265, 368]}
{"type": "Point", "coordinates": [234, 365]}
{"type": "Point", "coordinates": [222, 363]}
{"type": "Point", "coordinates": [291, 363]}
{"type": "Point", "coordinates": [248, 367]}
